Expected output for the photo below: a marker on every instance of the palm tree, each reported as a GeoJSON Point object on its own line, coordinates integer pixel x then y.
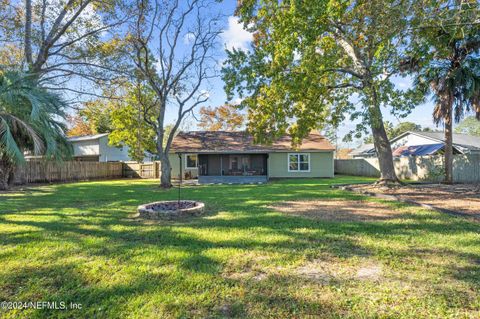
{"type": "Point", "coordinates": [29, 122]}
{"type": "Point", "coordinates": [454, 80]}
{"type": "Point", "coordinates": [446, 61]}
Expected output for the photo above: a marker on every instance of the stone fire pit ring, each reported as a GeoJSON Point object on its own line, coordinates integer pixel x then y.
{"type": "Point", "coordinates": [170, 209]}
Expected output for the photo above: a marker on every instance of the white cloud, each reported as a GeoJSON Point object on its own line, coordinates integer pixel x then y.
{"type": "Point", "coordinates": [204, 94]}
{"type": "Point", "coordinates": [235, 36]}
{"type": "Point", "coordinates": [188, 38]}
{"type": "Point", "coordinates": [237, 101]}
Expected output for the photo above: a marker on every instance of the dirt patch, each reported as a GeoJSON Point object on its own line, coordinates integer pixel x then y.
{"type": "Point", "coordinates": [327, 271]}
{"type": "Point", "coordinates": [316, 270]}
{"type": "Point", "coordinates": [461, 198]}
{"type": "Point", "coordinates": [338, 210]}
{"type": "Point", "coordinates": [370, 272]}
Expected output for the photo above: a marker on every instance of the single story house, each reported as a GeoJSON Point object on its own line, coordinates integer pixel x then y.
{"type": "Point", "coordinates": [95, 148]}
{"type": "Point", "coordinates": [233, 157]}
{"type": "Point", "coordinates": [423, 143]}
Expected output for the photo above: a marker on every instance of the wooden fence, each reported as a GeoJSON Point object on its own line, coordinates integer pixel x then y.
{"type": "Point", "coordinates": [47, 171]}
{"type": "Point", "coordinates": [141, 170]}
{"type": "Point", "coordinates": [466, 168]}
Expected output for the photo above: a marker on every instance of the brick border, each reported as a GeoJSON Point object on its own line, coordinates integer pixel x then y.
{"type": "Point", "coordinates": [146, 210]}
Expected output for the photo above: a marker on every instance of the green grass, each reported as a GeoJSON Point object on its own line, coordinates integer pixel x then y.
{"type": "Point", "coordinates": [78, 243]}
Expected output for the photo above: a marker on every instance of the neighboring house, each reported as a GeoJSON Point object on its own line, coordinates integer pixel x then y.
{"type": "Point", "coordinates": [95, 148]}
{"type": "Point", "coordinates": [233, 157]}
{"type": "Point", "coordinates": [365, 150]}
{"type": "Point", "coordinates": [424, 143]}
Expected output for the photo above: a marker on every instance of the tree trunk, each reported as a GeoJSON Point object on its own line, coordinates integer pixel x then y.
{"type": "Point", "coordinates": [382, 144]}
{"type": "Point", "coordinates": [6, 170]}
{"type": "Point", "coordinates": [448, 146]}
{"type": "Point", "coordinates": [28, 32]}
{"type": "Point", "coordinates": [166, 176]}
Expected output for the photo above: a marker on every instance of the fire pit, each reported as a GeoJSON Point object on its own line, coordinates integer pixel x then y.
{"type": "Point", "coordinates": [170, 209]}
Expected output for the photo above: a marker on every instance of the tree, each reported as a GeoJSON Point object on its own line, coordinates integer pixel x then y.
{"type": "Point", "coordinates": [98, 113]}
{"type": "Point", "coordinates": [400, 128]}
{"type": "Point", "coordinates": [447, 64]}
{"type": "Point", "coordinates": [389, 129]}
{"type": "Point", "coordinates": [221, 118]}
{"type": "Point", "coordinates": [94, 117]}
{"type": "Point", "coordinates": [130, 124]}
{"type": "Point", "coordinates": [470, 125]}
{"type": "Point", "coordinates": [312, 59]}
{"type": "Point", "coordinates": [64, 39]}
{"type": "Point", "coordinates": [177, 76]}
{"type": "Point", "coordinates": [79, 126]}
{"type": "Point", "coordinates": [29, 121]}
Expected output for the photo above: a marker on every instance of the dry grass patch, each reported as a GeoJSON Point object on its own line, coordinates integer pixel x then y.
{"type": "Point", "coordinates": [464, 198]}
{"type": "Point", "coordinates": [338, 210]}
{"type": "Point", "coordinates": [325, 271]}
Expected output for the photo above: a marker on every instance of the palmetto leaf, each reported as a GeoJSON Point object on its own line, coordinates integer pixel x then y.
{"type": "Point", "coordinates": [38, 144]}
{"type": "Point", "coordinates": [29, 116]}
{"type": "Point", "coordinates": [8, 143]}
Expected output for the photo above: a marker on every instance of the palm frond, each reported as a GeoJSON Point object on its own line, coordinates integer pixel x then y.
{"type": "Point", "coordinates": [8, 144]}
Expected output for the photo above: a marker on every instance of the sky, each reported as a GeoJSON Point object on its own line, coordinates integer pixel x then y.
{"type": "Point", "coordinates": [233, 35]}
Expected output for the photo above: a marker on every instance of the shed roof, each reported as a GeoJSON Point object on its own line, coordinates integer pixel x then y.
{"type": "Point", "coordinates": [86, 137]}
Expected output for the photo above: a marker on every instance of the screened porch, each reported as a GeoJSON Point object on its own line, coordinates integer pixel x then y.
{"type": "Point", "coordinates": [232, 168]}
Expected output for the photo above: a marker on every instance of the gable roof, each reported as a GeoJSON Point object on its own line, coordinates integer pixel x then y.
{"type": "Point", "coordinates": [363, 149]}
{"type": "Point", "coordinates": [469, 142]}
{"type": "Point", "coordinates": [86, 137]}
{"type": "Point", "coordinates": [234, 141]}
{"type": "Point", "coordinates": [461, 142]}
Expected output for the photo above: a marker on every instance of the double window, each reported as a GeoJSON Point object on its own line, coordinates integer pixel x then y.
{"type": "Point", "coordinates": [299, 162]}
{"type": "Point", "coordinates": [191, 161]}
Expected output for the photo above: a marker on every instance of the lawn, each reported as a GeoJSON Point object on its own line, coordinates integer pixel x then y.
{"type": "Point", "coordinates": [244, 258]}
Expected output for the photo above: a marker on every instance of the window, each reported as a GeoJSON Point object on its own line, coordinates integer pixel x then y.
{"type": "Point", "coordinates": [299, 162]}
{"type": "Point", "coordinates": [191, 162]}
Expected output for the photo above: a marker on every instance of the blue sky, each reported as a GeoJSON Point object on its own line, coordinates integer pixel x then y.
{"type": "Point", "coordinates": [234, 36]}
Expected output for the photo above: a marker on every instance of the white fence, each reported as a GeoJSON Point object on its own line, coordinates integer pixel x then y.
{"type": "Point", "coordinates": [466, 168]}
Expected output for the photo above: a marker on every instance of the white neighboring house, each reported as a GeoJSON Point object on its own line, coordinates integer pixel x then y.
{"type": "Point", "coordinates": [95, 148]}
{"type": "Point", "coordinates": [423, 143]}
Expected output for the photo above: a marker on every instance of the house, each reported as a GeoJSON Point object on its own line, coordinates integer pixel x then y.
{"type": "Point", "coordinates": [363, 151]}
{"type": "Point", "coordinates": [95, 148]}
{"type": "Point", "coordinates": [233, 157]}
{"type": "Point", "coordinates": [423, 143]}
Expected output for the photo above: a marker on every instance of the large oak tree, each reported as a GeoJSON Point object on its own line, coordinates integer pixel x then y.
{"type": "Point", "coordinates": [316, 61]}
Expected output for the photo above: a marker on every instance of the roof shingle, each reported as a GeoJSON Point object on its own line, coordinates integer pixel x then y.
{"type": "Point", "coordinates": [234, 141]}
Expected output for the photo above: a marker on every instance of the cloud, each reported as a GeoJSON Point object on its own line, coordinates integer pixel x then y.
{"type": "Point", "coordinates": [188, 38]}
{"type": "Point", "coordinates": [237, 101]}
{"type": "Point", "coordinates": [235, 36]}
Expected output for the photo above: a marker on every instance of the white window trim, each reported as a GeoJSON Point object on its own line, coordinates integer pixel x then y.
{"type": "Point", "coordinates": [298, 156]}
{"type": "Point", "coordinates": [186, 162]}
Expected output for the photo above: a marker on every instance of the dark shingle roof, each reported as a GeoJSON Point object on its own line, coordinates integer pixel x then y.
{"type": "Point", "coordinates": [230, 141]}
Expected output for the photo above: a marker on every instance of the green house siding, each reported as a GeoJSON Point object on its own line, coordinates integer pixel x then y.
{"type": "Point", "coordinates": [321, 165]}
{"type": "Point", "coordinates": [175, 164]}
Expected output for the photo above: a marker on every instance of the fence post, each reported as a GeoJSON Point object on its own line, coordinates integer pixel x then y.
{"type": "Point", "coordinates": [155, 169]}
